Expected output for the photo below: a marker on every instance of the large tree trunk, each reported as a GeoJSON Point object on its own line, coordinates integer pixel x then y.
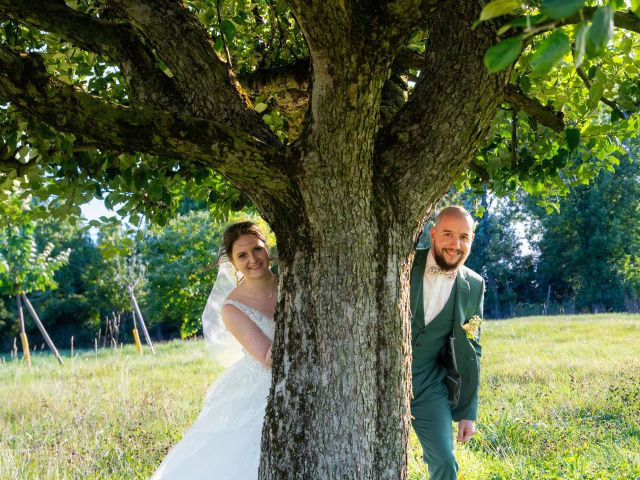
{"type": "Point", "coordinates": [341, 381]}
{"type": "Point", "coordinates": [339, 405]}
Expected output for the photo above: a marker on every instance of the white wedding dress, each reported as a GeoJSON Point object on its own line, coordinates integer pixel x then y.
{"type": "Point", "coordinates": [224, 441]}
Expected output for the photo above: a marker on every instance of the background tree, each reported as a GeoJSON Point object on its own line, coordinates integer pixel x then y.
{"type": "Point", "coordinates": [23, 269]}
{"type": "Point", "coordinates": [585, 248]}
{"type": "Point", "coordinates": [68, 310]}
{"type": "Point", "coordinates": [136, 101]}
{"type": "Point", "coordinates": [181, 269]}
{"type": "Point", "coordinates": [498, 257]}
{"type": "Point", "coordinates": [129, 269]}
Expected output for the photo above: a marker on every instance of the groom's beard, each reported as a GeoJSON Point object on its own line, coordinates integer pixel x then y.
{"type": "Point", "coordinates": [442, 261]}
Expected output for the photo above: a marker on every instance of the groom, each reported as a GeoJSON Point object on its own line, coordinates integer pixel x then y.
{"type": "Point", "coordinates": [445, 295]}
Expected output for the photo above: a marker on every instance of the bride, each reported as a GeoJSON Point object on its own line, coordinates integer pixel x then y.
{"type": "Point", "coordinates": [224, 442]}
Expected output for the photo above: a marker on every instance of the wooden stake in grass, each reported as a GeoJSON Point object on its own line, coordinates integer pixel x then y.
{"type": "Point", "coordinates": [136, 310]}
{"type": "Point", "coordinates": [40, 326]}
{"type": "Point", "coordinates": [136, 335]}
{"type": "Point", "coordinates": [26, 355]}
{"type": "Point", "coordinates": [136, 339]}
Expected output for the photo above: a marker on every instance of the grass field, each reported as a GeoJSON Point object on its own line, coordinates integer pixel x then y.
{"type": "Point", "coordinates": [560, 400]}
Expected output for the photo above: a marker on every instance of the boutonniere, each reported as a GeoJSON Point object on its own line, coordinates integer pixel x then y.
{"type": "Point", "coordinates": [472, 327]}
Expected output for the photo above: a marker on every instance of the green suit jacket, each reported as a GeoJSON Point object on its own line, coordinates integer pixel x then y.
{"type": "Point", "coordinates": [461, 356]}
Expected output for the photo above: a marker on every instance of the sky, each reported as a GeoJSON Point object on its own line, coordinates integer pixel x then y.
{"type": "Point", "coordinates": [96, 209]}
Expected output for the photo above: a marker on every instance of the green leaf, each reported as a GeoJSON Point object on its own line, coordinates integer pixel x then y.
{"type": "Point", "coordinates": [134, 219]}
{"type": "Point", "coordinates": [261, 107]}
{"type": "Point", "coordinates": [616, 114]}
{"type": "Point", "coordinates": [596, 90]}
{"type": "Point", "coordinates": [600, 32]}
{"type": "Point", "coordinates": [525, 21]}
{"type": "Point", "coordinates": [625, 45]}
{"type": "Point", "coordinates": [501, 55]}
{"type": "Point", "coordinates": [635, 7]}
{"type": "Point", "coordinates": [155, 191]}
{"type": "Point", "coordinates": [219, 45]}
{"type": "Point", "coordinates": [228, 28]}
{"type": "Point", "coordinates": [497, 8]}
{"type": "Point", "coordinates": [561, 8]}
{"type": "Point", "coordinates": [580, 44]}
{"type": "Point", "coordinates": [573, 138]}
{"type": "Point", "coordinates": [550, 51]}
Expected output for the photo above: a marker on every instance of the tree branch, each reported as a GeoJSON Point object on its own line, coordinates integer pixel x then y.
{"type": "Point", "coordinates": [544, 114]}
{"type": "Point", "coordinates": [275, 80]}
{"type": "Point", "coordinates": [585, 80]}
{"type": "Point", "coordinates": [290, 85]}
{"type": "Point", "coordinates": [147, 83]}
{"type": "Point", "coordinates": [624, 20]}
{"type": "Point", "coordinates": [385, 23]}
{"type": "Point", "coordinates": [321, 21]}
{"type": "Point", "coordinates": [183, 44]}
{"type": "Point", "coordinates": [448, 114]}
{"type": "Point", "coordinates": [248, 162]}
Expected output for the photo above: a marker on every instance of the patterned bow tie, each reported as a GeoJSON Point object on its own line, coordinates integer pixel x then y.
{"type": "Point", "coordinates": [450, 274]}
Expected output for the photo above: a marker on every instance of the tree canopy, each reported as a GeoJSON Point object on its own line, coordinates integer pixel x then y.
{"type": "Point", "coordinates": [573, 90]}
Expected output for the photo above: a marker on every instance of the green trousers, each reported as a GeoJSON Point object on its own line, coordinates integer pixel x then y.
{"type": "Point", "coordinates": [433, 426]}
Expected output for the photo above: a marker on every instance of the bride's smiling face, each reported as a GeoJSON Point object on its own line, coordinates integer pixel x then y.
{"type": "Point", "coordinates": [250, 256]}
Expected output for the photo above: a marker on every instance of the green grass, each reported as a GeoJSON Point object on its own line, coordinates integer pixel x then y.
{"type": "Point", "coordinates": [105, 416]}
{"type": "Point", "coordinates": [560, 400]}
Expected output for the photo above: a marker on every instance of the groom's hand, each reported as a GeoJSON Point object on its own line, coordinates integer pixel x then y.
{"type": "Point", "coordinates": [466, 430]}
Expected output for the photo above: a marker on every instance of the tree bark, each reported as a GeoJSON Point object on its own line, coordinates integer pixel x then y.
{"type": "Point", "coordinates": [339, 405]}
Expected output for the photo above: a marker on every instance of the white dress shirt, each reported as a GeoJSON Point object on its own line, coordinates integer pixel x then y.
{"type": "Point", "coordinates": [435, 290]}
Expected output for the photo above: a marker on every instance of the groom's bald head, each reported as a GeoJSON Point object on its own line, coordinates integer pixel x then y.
{"type": "Point", "coordinates": [455, 211]}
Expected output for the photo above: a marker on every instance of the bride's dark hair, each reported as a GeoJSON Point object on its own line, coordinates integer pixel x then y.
{"type": "Point", "coordinates": [235, 231]}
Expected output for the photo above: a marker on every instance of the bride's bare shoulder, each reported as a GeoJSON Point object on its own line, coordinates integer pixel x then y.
{"type": "Point", "coordinates": [231, 312]}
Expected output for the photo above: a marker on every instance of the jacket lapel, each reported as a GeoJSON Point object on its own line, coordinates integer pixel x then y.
{"type": "Point", "coordinates": [462, 297]}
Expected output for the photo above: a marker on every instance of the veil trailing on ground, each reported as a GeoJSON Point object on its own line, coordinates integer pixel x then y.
{"type": "Point", "coordinates": [223, 346]}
